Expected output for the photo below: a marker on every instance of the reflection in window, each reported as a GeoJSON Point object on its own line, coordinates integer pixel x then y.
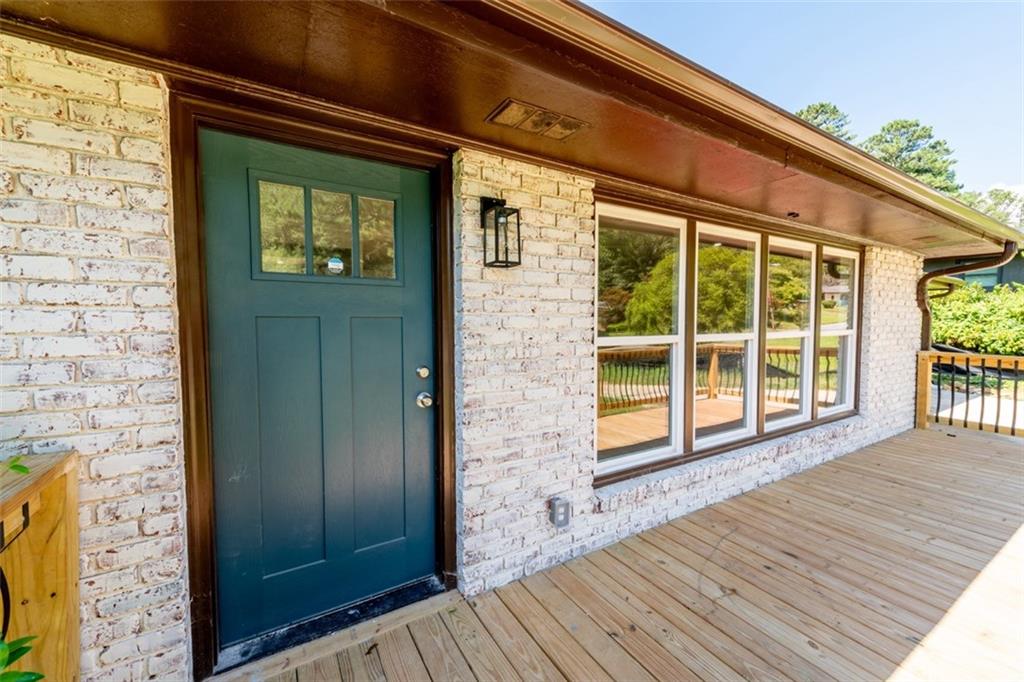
{"type": "Point", "coordinates": [833, 368]}
{"type": "Point", "coordinates": [377, 237]}
{"type": "Point", "coordinates": [837, 292]}
{"type": "Point", "coordinates": [788, 322]}
{"type": "Point", "coordinates": [725, 285]}
{"type": "Point", "coordinates": [720, 384]}
{"type": "Point", "coordinates": [282, 228]}
{"type": "Point", "coordinates": [638, 279]}
{"type": "Point", "coordinates": [789, 289]}
{"type": "Point", "coordinates": [634, 399]}
{"type": "Point", "coordinates": [332, 233]}
{"type": "Point", "coordinates": [783, 380]}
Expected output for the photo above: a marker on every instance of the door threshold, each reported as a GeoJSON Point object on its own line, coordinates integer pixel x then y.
{"type": "Point", "coordinates": [294, 645]}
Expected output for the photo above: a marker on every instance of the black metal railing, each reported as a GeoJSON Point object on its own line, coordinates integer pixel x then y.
{"type": "Point", "coordinates": [984, 392]}
{"type": "Point", "coordinates": [632, 377]}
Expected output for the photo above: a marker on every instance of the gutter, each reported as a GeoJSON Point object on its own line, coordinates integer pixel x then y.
{"type": "Point", "coordinates": [606, 40]}
{"type": "Point", "coordinates": [1009, 251]}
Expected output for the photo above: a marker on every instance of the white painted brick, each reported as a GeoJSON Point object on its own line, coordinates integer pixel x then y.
{"type": "Point", "coordinates": [15, 401]}
{"type": "Point", "coordinates": [36, 373]}
{"type": "Point", "coordinates": [147, 197]}
{"type": "Point", "coordinates": [71, 188]}
{"type": "Point", "coordinates": [33, 102]}
{"type": "Point", "coordinates": [72, 397]}
{"type": "Point", "coordinates": [63, 241]}
{"type": "Point", "coordinates": [63, 135]}
{"type": "Point", "coordinates": [88, 340]}
{"type": "Point", "coordinates": [21, 320]}
{"type": "Point", "coordinates": [134, 368]}
{"type": "Point", "coordinates": [26, 156]}
{"type": "Point", "coordinates": [62, 79]}
{"type": "Point", "coordinates": [115, 118]}
{"type": "Point", "coordinates": [140, 95]}
{"type": "Point", "coordinates": [152, 296]}
{"type": "Point", "coordinates": [139, 149]}
{"type": "Point", "coordinates": [123, 270]}
{"type": "Point", "coordinates": [112, 466]}
{"type": "Point", "coordinates": [16, 210]}
{"type": "Point", "coordinates": [116, 169]}
{"type": "Point", "coordinates": [72, 346]}
{"type": "Point", "coordinates": [35, 425]}
{"type": "Point", "coordinates": [75, 295]}
{"type": "Point", "coordinates": [128, 220]}
{"type": "Point", "coordinates": [35, 267]}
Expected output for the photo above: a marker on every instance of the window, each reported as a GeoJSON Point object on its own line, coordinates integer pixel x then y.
{"type": "Point", "coordinates": [836, 355]}
{"type": "Point", "coordinates": [789, 337]}
{"type": "Point", "coordinates": [726, 340]}
{"type": "Point", "coordinates": [760, 336]}
{"type": "Point", "coordinates": [638, 323]}
{"type": "Point", "coordinates": [322, 232]}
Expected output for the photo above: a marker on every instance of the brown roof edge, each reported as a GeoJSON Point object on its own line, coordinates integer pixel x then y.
{"type": "Point", "coordinates": [608, 40]}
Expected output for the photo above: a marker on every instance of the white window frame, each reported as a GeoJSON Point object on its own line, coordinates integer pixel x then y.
{"type": "Point", "coordinates": [851, 333]}
{"type": "Point", "coordinates": [675, 341]}
{"type": "Point", "coordinates": [751, 385]}
{"type": "Point", "coordinates": [807, 358]}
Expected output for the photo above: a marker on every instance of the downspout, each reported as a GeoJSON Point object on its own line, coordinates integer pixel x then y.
{"type": "Point", "coordinates": [1009, 251]}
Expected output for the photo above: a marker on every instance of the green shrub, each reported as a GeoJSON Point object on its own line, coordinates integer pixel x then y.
{"type": "Point", "coordinates": [982, 321]}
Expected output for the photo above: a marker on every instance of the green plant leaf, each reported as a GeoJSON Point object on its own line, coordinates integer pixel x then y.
{"type": "Point", "coordinates": [18, 676]}
{"type": "Point", "coordinates": [20, 468]}
{"type": "Point", "coordinates": [17, 652]}
{"type": "Point", "coordinates": [4, 653]}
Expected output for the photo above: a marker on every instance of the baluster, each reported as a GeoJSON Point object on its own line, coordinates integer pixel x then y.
{"type": "Point", "coordinates": [1016, 396]}
{"type": "Point", "coordinates": [999, 393]}
{"type": "Point", "coordinates": [984, 378]}
{"type": "Point", "coordinates": [952, 388]}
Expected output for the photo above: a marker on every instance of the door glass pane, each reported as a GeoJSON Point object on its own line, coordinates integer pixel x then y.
{"type": "Point", "coordinates": [783, 385]}
{"type": "Point", "coordinates": [377, 237]}
{"type": "Point", "coordinates": [789, 289]}
{"type": "Point", "coordinates": [725, 285]}
{"type": "Point", "coordinates": [720, 386]}
{"type": "Point", "coordinates": [282, 228]}
{"type": "Point", "coordinates": [638, 276]}
{"type": "Point", "coordinates": [332, 233]}
{"type": "Point", "coordinates": [837, 292]}
{"type": "Point", "coordinates": [833, 366]}
{"type": "Point", "coordinates": [633, 399]}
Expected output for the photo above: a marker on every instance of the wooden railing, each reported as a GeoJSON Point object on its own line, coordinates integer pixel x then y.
{"type": "Point", "coordinates": [984, 392]}
{"type": "Point", "coordinates": [640, 376]}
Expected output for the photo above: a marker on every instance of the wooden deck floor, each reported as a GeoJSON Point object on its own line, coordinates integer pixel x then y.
{"type": "Point", "coordinates": [901, 561]}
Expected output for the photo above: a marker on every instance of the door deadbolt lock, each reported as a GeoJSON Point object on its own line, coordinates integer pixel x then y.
{"type": "Point", "coordinates": [424, 399]}
{"type": "Point", "coordinates": [422, 372]}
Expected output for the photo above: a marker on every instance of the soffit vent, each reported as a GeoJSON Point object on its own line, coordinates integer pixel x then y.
{"type": "Point", "coordinates": [535, 120]}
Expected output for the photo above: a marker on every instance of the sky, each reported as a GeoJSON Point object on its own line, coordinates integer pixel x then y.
{"type": "Point", "coordinates": [956, 66]}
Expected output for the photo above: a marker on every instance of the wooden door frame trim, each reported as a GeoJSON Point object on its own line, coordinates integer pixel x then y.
{"type": "Point", "coordinates": [234, 112]}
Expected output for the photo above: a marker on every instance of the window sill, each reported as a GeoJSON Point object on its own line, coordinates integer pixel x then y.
{"type": "Point", "coordinates": [669, 462]}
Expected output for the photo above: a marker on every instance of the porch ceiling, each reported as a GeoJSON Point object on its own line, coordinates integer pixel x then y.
{"type": "Point", "coordinates": [446, 67]}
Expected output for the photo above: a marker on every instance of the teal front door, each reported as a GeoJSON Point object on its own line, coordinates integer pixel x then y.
{"type": "Point", "coordinates": [321, 341]}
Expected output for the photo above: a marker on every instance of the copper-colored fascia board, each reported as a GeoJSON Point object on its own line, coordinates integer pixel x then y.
{"type": "Point", "coordinates": [609, 187]}
{"type": "Point", "coordinates": [395, 127]}
{"type": "Point", "coordinates": [610, 41]}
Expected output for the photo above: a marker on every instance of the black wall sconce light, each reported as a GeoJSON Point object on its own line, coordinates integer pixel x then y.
{"type": "Point", "coordinates": [502, 241]}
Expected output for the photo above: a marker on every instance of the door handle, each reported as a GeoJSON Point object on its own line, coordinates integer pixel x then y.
{"type": "Point", "coordinates": [424, 399]}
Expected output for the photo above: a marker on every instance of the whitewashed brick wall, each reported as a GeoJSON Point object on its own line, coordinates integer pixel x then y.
{"type": "Point", "coordinates": [90, 360]}
{"type": "Point", "coordinates": [88, 337]}
{"type": "Point", "coordinates": [526, 390]}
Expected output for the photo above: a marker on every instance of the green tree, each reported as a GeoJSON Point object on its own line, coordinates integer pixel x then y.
{"type": "Point", "coordinates": [983, 321]}
{"type": "Point", "coordinates": [725, 290]}
{"type": "Point", "coordinates": [911, 147]}
{"type": "Point", "coordinates": [1004, 205]}
{"type": "Point", "coordinates": [829, 118]}
{"type": "Point", "coordinates": [651, 308]}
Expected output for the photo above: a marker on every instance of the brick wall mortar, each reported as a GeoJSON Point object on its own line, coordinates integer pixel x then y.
{"type": "Point", "coordinates": [526, 388]}
{"type": "Point", "coordinates": [88, 337]}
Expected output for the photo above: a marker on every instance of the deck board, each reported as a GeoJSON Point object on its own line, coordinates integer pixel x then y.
{"type": "Point", "coordinates": [900, 561]}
